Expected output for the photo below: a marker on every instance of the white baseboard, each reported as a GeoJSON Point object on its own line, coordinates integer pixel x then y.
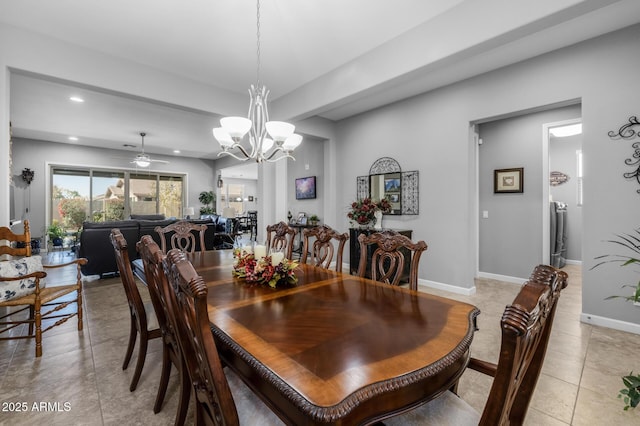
{"type": "Point", "coordinates": [629, 327]}
{"type": "Point", "coordinates": [505, 278]}
{"type": "Point", "coordinates": [447, 287]}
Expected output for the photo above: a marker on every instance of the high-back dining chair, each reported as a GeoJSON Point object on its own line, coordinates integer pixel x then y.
{"type": "Point", "coordinates": [526, 325]}
{"type": "Point", "coordinates": [152, 258]}
{"type": "Point", "coordinates": [388, 259]}
{"type": "Point", "coordinates": [22, 286]}
{"type": "Point", "coordinates": [321, 251]}
{"type": "Point", "coordinates": [182, 236]}
{"type": "Point", "coordinates": [143, 320]}
{"type": "Point", "coordinates": [213, 389]}
{"type": "Point", "coordinates": [281, 237]}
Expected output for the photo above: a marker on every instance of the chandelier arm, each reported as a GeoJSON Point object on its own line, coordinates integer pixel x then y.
{"type": "Point", "coordinates": [274, 152]}
{"type": "Point", "coordinates": [231, 154]}
{"type": "Point", "coordinates": [282, 157]}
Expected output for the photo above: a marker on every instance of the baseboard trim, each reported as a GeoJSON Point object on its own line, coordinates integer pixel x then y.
{"type": "Point", "coordinates": [447, 287]}
{"type": "Point", "coordinates": [629, 327]}
{"type": "Point", "coordinates": [505, 278]}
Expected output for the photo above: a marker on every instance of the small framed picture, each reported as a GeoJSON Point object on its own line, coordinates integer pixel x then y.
{"type": "Point", "coordinates": [393, 198]}
{"type": "Point", "coordinates": [508, 180]}
{"type": "Point", "coordinates": [250, 198]}
{"type": "Point", "coordinates": [302, 220]}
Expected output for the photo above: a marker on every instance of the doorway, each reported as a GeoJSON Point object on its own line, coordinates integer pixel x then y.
{"type": "Point", "coordinates": [513, 232]}
{"type": "Point", "coordinates": [562, 222]}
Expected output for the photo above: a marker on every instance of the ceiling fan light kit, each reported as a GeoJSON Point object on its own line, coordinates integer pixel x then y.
{"type": "Point", "coordinates": [230, 135]}
{"type": "Point", "coordinates": [144, 160]}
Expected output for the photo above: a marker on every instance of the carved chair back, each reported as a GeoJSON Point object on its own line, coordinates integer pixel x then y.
{"type": "Point", "coordinates": [182, 236]}
{"type": "Point", "coordinates": [152, 258]}
{"type": "Point", "coordinates": [187, 304]}
{"type": "Point", "coordinates": [526, 325]}
{"type": "Point", "coordinates": [281, 237]}
{"type": "Point", "coordinates": [138, 312]}
{"type": "Point", "coordinates": [388, 260]}
{"type": "Point", "coordinates": [321, 252]}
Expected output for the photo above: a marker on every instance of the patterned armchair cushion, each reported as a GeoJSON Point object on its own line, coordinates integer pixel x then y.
{"type": "Point", "coordinates": [17, 268]}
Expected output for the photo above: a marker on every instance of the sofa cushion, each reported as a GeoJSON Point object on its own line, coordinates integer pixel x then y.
{"type": "Point", "coordinates": [17, 268]}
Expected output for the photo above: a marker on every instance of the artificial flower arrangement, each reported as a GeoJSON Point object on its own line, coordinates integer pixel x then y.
{"type": "Point", "coordinates": [363, 211]}
{"type": "Point", "coordinates": [262, 270]}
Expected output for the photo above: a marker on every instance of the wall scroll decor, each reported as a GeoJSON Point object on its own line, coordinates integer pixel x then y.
{"type": "Point", "coordinates": [557, 178]}
{"type": "Point", "coordinates": [387, 180]}
{"type": "Point", "coordinates": [508, 180]}
{"type": "Point", "coordinates": [626, 132]}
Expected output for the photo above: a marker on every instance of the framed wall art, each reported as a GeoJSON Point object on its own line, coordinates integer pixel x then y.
{"type": "Point", "coordinates": [508, 180]}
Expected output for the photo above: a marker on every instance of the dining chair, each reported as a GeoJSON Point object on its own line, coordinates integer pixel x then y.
{"type": "Point", "coordinates": [23, 286]}
{"type": "Point", "coordinates": [526, 325]}
{"type": "Point", "coordinates": [156, 283]}
{"type": "Point", "coordinates": [221, 398]}
{"type": "Point", "coordinates": [252, 223]}
{"type": "Point", "coordinates": [281, 237]}
{"type": "Point", "coordinates": [182, 236]}
{"type": "Point", "coordinates": [392, 252]}
{"type": "Point", "coordinates": [321, 252]}
{"type": "Point", "coordinates": [143, 319]}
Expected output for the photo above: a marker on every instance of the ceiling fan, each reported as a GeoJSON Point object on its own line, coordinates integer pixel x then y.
{"type": "Point", "coordinates": [142, 159]}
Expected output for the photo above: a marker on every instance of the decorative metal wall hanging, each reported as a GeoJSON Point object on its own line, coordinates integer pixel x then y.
{"type": "Point", "coordinates": [627, 131]}
{"type": "Point", "coordinates": [409, 184]}
{"type": "Point", "coordinates": [557, 178]}
{"type": "Point", "coordinates": [28, 175]}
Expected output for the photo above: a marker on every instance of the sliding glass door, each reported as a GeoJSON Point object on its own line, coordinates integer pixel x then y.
{"type": "Point", "coordinates": [99, 195]}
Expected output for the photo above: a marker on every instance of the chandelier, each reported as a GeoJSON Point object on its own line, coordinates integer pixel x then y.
{"type": "Point", "coordinates": [268, 140]}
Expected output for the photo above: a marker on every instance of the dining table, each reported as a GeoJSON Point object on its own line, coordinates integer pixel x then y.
{"type": "Point", "coordinates": [335, 349]}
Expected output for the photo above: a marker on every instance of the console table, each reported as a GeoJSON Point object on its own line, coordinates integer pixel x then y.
{"type": "Point", "coordinates": [354, 250]}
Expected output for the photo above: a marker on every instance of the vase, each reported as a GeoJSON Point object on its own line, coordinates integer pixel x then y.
{"type": "Point", "coordinates": [378, 220]}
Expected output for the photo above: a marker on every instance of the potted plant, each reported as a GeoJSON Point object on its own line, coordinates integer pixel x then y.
{"type": "Point", "coordinates": [313, 220]}
{"type": "Point", "coordinates": [206, 198]}
{"type": "Point", "coordinates": [55, 233]}
{"type": "Point", "coordinates": [631, 392]}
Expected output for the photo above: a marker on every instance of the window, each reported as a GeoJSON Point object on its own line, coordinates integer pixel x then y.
{"type": "Point", "coordinates": [102, 195]}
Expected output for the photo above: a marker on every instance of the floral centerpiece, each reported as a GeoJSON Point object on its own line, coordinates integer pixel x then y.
{"type": "Point", "coordinates": [262, 271]}
{"type": "Point", "coordinates": [364, 211]}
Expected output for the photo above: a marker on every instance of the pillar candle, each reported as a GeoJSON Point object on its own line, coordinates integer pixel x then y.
{"type": "Point", "coordinates": [260, 251]}
{"type": "Point", "coordinates": [276, 257]}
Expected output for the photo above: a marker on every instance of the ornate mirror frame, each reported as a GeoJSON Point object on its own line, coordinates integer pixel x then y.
{"type": "Point", "coordinates": [409, 193]}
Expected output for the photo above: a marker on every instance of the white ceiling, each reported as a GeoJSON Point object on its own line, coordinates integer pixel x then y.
{"type": "Point", "coordinates": [309, 49]}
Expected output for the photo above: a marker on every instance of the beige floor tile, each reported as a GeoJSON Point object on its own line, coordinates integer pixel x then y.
{"type": "Point", "coordinates": [579, 384]}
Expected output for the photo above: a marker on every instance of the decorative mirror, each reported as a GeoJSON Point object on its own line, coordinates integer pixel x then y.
{"type": "Point", "coordinates": [387, 180]}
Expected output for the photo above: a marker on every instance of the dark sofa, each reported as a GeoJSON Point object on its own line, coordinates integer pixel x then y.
{"type": "Point", "coordinates": [95, 244]}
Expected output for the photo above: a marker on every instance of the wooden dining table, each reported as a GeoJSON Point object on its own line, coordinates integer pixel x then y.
{"type": "Point", "coordinates": [335, 349]}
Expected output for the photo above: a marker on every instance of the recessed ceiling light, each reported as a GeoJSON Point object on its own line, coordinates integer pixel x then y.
{"type": "Point", "coordinates": [563, 131]}
{"type": "Point", "coordinates": [73, 138]}
{"type": "Point", "coordinates": [76, 99]}
{"type": "Point", "coordinates": [176, 151]}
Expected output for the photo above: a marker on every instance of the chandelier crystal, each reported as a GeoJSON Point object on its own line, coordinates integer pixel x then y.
{"type": "Point", "coordinates": [268, 140]}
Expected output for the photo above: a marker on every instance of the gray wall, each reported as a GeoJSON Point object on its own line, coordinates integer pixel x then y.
{"type": "Point", "coordinates": [431, 133]}
{"type": "Point", "coordinates": [562, 157]}
{"type": "Point", "coordinates": [309, 162]}
{"type": "Point", "coordinates": [511, 237]}
{"type": "Point", "coordinates": [35, 155]}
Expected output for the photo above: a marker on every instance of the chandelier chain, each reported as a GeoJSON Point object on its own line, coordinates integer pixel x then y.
{"type": "Point", "coordinates": [258, 43]}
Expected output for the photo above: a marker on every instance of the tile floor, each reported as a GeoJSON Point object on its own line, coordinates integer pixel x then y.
{"type": "Point", "coordinates": [81, 379]}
